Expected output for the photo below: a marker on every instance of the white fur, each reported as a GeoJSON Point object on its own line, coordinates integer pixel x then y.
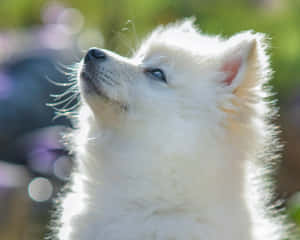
{"type": "Point", "coordinates": [172, 161]}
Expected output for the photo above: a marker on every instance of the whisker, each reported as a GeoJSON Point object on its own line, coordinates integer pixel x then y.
{"type": "Point", "coordinates": [61, 95]}
{"type": "Point", "coordinates": [65, 114]}
{"type": "Point", "coordinates": [62, 101]}
{"type": "Point", "coordinates": [70, 101]}
{"type": "Point", "coordinates": [66, 102]}
{"type": "Point", "coordinates": [57, 97]}
{"type": "Point", "coordinates": [70, 68]}
{"type": "Point", "coordinates": [67, 109]}
{"type": "Point", "coordinates": [64, 84]}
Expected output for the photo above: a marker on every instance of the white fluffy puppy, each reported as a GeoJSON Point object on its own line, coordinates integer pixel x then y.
{"type": "Point", "coordinates": [167, 140]}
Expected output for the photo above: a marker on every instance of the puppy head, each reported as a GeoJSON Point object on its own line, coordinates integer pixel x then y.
{"type": "Point", "coordinates": [178, 76]}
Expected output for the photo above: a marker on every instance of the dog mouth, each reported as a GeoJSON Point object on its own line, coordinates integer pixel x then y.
{"type": "Point", "coordinates": [89, 83]}
{"type": "Point", "coordinates": [92, 86]}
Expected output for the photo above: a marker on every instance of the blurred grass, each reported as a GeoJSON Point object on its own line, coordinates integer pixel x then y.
{"type": "Point", "coordinates": [295, 214]}
{"type": "Point", "coordinates": [294, 209]}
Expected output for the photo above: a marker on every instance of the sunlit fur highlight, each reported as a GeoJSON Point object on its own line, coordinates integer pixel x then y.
{"type": "Point", "coordinates": [186, 160]}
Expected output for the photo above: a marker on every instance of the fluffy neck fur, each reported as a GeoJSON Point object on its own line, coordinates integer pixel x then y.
{"type": "Point", "coordinates": [131, 185]}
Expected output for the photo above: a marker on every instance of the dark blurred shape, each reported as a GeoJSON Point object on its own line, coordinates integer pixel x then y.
{"type": "Point", "coordinates": [29, 60]}
{"type": "Point", "coordinates": [24, 93]}
{"type": "Point", "coordinates": [6, 86]}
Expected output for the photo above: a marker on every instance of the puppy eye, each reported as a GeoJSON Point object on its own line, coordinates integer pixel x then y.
{"type": "Point", "coordinates": [157, 74]}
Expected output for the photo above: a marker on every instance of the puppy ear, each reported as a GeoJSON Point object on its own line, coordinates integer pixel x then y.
{"type": "Point", "coordinates": [231, 68]}
{"type": "Point", "coordinates": [245, 63]}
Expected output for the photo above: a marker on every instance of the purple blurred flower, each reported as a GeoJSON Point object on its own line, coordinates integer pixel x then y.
{"type": "Point", "coordinates": [41, 159]}
{"type": "Point", "coordinates": [43, 147]}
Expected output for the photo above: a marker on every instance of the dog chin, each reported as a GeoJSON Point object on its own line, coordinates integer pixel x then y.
{"type": "Point", "coordinates": [91, 88]}
{"type": "Point", "coordinates": [89, 85]}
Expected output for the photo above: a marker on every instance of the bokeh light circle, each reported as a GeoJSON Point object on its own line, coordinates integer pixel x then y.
{"type": "Point", "coordinates": [62, 167]}
{"type": "Point", "coordinates": [40, 189]}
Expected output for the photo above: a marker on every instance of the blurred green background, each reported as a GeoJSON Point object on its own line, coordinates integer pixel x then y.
{"type": "Point", "coordinates": [61, 31]}
{"type": "Point", "coordinates": [278, 18]}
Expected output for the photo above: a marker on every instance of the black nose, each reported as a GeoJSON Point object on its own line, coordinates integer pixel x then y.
{"type": "Point", "coordinates": [95, 54]}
